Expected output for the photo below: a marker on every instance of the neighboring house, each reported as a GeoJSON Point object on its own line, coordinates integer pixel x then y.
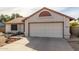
{"type": "Point", "coordinates": [2, 27]}
{"type": "Point", "coordinates": [43, 23]}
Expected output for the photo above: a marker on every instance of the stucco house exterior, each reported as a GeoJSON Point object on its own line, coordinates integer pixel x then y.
{"type": "Point", "coordinates": [43, 23]}
{"type": "Point", "coordinates": [15, 25]}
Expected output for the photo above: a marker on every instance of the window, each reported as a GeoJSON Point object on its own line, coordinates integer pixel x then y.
{"type": "Point", "coordinates": [44, 13]}
{"type": "Point", "coordinates": [14, 27]}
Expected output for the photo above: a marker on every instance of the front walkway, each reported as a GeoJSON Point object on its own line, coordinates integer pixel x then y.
{"type": "Point", "coordinates": [38, 44]}
{"type": "Point", "coordinates": [17, 46]}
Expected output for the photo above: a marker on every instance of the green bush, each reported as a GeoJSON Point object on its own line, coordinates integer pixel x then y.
{"type": "Point", "coordinates": [74, 24]}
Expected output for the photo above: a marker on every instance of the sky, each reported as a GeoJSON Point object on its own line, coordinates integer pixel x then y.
{"type": "Point", "coordinates": [27, 7]}
{"type": "Point", "coordinates": [25, 11]}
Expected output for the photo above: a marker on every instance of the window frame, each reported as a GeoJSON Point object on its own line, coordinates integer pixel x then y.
{"type": "Point", "coordinates": [44, 14]}
{"type": "Point", "coordinates": [14, 27]}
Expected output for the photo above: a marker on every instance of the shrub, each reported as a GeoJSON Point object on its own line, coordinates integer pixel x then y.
{"type": "Point", "coordinates": [17, 33]}
{"type": "Point", "coordinates": [74, 24]}
{"type": "Point", "coordinates": [9, 33]}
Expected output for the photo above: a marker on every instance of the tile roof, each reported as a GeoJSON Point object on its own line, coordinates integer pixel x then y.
{"type": "Point", "coordinates": [16, 20]}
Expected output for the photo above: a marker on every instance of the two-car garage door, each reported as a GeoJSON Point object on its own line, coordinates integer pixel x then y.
{"type": "Point", "coordinates": [46, 29]}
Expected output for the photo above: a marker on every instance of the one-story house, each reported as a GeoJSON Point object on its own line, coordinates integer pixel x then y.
{"type": "Point", "coordinates": [43, 23]}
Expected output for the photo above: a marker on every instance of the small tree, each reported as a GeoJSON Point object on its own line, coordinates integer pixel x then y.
{"type": "Point", "coordinates": [5, 18]}
{"type": "Point", "coordinates": [13, 16]}
{"type": "Point", "coordinates": [74, 22]}
{"type": "Point", "coordinates": [2, 17]}
{"type": "Point", "coordinates": [18, 15]}
{"type": "Point", "coordinates": [78, 19]}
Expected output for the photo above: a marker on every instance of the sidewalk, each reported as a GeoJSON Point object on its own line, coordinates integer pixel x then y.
{"type": "Point", "coordinates": [17, 46]}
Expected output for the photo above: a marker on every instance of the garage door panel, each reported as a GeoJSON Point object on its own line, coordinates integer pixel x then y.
{"type": "Point", "coordinates": [46, 29]}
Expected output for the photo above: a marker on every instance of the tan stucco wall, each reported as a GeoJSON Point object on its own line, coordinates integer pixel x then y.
{"type": "Point", "coordinates": [20, 28]}
{"type": "Point", "coordinates": [54, 18]}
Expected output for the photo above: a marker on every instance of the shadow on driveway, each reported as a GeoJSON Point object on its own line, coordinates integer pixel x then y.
{"type": "Point", "coordinates": [48, 44]}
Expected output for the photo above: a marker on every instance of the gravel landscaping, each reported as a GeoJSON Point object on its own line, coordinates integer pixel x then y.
{"type": "Point", "coordinates": [7, 40]}
{"type": "Point", "coordinates": [12, 39]}
{"type": "Point", "coordinates": [4, 41]}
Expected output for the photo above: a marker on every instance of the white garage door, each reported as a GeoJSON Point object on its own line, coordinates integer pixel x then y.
{"type": "Point", "coordinates": [46, 29]}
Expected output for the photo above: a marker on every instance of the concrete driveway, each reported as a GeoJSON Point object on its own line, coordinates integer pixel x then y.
{"type": "Point", "coordinates": [48, 44]}
{"type": "Point", "coordinates": [38, 44]}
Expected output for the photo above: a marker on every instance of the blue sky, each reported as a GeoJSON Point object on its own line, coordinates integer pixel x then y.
{"type": "Point", "coordinates": [70, 11]}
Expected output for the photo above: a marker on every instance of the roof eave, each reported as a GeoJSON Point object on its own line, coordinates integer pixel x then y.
{"type": "Point", "coordinates": [71, 18]}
